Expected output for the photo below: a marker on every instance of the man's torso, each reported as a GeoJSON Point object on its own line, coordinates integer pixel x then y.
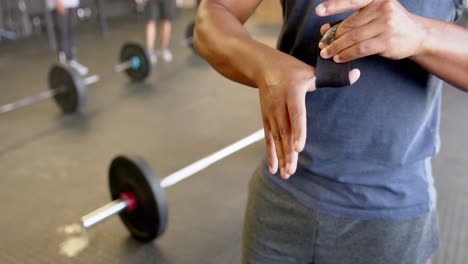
{"type": "Point", "coordinates": [368, 145]}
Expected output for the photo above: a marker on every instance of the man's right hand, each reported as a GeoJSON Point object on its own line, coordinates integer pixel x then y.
{"type": "Point", "coordinates": [282, 89]}
{"type": "Point", "coordinates": [282, 80]}
{"type": "Point", "coordinates": [286, 80]}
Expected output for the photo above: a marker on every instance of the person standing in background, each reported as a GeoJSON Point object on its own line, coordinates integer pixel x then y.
{"type": "Point", "coordinates": [162, 11]}
{"type": "Point", "coordinates": [65, 14]}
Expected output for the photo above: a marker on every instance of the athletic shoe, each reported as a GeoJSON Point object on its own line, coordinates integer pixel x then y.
{"type": "Point", "coordinates": [62, 58]}
{"type": "Point", "coordinates": [153, 57]}
{"type": "Point", "coordinates": [82, 70]}
{"type": "Point", "coordinates": [166, 54]}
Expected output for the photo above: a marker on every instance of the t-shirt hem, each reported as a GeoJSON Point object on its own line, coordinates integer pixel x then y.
{"type": "Point", "coordinates": [359, 213]}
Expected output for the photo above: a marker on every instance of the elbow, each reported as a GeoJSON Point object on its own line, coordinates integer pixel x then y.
{"type": "Point", "coordinates": [201, 42]}
{"type": "Point", "coordinates": [199, 38]}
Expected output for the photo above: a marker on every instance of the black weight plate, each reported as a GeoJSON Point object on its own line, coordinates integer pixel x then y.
{"type": "Point", "coordinates": [130, 50]}
{"type": "Point", "coordinates": [68, 81]}
{"type": "Point", "coordinates": [132, 174]}
{"type": "Point", "coordinates": [189, 33]}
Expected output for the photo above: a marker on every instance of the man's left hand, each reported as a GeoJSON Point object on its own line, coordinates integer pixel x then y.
{"type": "Point", "coordinates": [382, 27]}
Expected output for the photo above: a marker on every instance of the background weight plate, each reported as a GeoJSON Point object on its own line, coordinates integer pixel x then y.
{"type": "Point", "coordinates": [130, 50]}
{"type": "Point", "coordinates": [72, 95]}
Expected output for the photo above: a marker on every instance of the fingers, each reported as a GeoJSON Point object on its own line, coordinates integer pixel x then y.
{"type": "Point", "coordinates": [350, 39]}
{"type": "Point", "coordinates": [280, 150]}
{"type": "Point", "coordinates": [297, 115]}
{"type": "Point", "coordinates": [293, 164]}
{"type": "Point", "coordinates": [324, 28]}
{"type": "Point", "coordinates": [362, 49]}
{"type": "Point", "coordinates": [270, 146]}
{"type": "Point", "coordinates": [298, 118]}
{"type": "Point", "coordinates": [285, 133]}
{"type": "Point", "coordinates": [284, 129]}
{"type": "Point", "coordinates": [298, 125]}
{"type": "Point", "coordinates": [275, 131]}
{"type": "Point", "coordinates": [288, 149]}
{"type": "Point", "coordinates": [333, 7]}
{"type": "Point", "coordinates": [357, 19]}
{"type": "Point", "coordinates": [284, 117]}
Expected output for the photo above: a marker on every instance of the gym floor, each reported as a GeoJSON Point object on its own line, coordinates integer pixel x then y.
{"type": "Point", "coordinates": [54, 167]}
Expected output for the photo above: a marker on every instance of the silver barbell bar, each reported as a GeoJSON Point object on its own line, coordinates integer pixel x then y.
{"type": "Point", "coordinates": [42, 96]}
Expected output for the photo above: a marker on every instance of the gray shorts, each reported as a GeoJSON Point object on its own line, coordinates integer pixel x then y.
{"type": "Point", "coordinates": [158, 10]}
{"type": "Point", "coordinates": [277, 229]}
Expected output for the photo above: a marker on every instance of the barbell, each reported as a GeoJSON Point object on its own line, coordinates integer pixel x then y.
{"type": "Point", "coordinates": [66, 86]}
{"type": "Point", "coordinates": [138, 194]}
{"type": "Point", "coordinates": [135, 59]}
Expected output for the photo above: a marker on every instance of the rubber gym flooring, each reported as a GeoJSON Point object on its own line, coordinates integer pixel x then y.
{"type": "Point", "coordinates": [54, 167]}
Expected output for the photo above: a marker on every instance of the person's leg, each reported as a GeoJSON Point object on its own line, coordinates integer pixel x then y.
{"type": "Point", "coordinates": [277, 229]}
{"type": "Point", "coordinates": [350, 241]}
{"type": "Point", "coordinates": [68, 34]}
{"type": "Point", "coordinates": [69, 44]}
{"type": "Point", "coordinates": [167, 15]}
{"type": "Point", "coordinates": [150, 35]}
{"type": "Point", "coordinates": [72, 20]}
{"type": "Point", "coordinates": [150, 28]}
{"type": "Point", "coordinates": [165, 28]}
{"type": "Point", "coordinates": [61, 22]}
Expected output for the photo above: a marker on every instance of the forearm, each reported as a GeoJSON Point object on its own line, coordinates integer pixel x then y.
{"type": "Point", "coordinates": [222, 41]}
{"type": "Point", "coordinates": [444, 52]}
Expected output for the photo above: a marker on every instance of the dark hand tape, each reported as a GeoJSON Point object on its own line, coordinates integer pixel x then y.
{"type": "Point", "coordinates": [328, 72]}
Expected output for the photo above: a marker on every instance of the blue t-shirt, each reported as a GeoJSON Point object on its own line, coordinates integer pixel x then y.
{"type": "Point", "coordinates": [368, 145]}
